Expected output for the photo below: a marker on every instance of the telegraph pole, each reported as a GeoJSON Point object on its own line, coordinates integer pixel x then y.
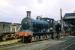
{"type": "Point", "coordinates": [61, 18]}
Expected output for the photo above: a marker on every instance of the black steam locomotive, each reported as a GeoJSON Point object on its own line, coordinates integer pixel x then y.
{"type": "Point", "coordinates": [35, 28]}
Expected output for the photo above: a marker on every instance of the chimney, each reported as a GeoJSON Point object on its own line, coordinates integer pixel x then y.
{"type": "Point", "coordinates": [28, 14]}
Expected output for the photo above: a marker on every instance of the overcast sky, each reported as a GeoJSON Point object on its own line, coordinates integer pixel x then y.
{"type": "Point", "coordinates": [15, 10]}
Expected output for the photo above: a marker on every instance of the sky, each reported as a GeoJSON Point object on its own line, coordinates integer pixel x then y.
{"type": "Point", "coordinates": [15, 10]}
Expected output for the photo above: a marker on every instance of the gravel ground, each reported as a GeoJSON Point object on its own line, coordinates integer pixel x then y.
{"type": "Point", "coordinates": [68, 44]}
{"type": "Point", "coordinates": [32, 46]}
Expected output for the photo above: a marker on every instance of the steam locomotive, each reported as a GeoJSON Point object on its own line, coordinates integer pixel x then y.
{"type": "Point", "coordinates": [35, 28]}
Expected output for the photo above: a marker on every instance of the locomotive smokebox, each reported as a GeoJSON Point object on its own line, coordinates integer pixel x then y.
{"type": "Point", "coordinates": [28, 14]}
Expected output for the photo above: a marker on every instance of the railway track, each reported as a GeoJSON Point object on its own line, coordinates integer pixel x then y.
{"type": "Point", "coordinates": [9, 42]}
{"type": "Point", "coordinates": [15, 44]}
{"type": "Point", "coordinates": [17, 40]}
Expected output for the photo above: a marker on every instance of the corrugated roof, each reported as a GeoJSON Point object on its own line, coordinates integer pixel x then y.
{"type": "Point", "coordinates": [69, 14]}
{"type": "Point", "coordinates": [5, 23]}
{"type": "Point", "coordinates": [10, 23]}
